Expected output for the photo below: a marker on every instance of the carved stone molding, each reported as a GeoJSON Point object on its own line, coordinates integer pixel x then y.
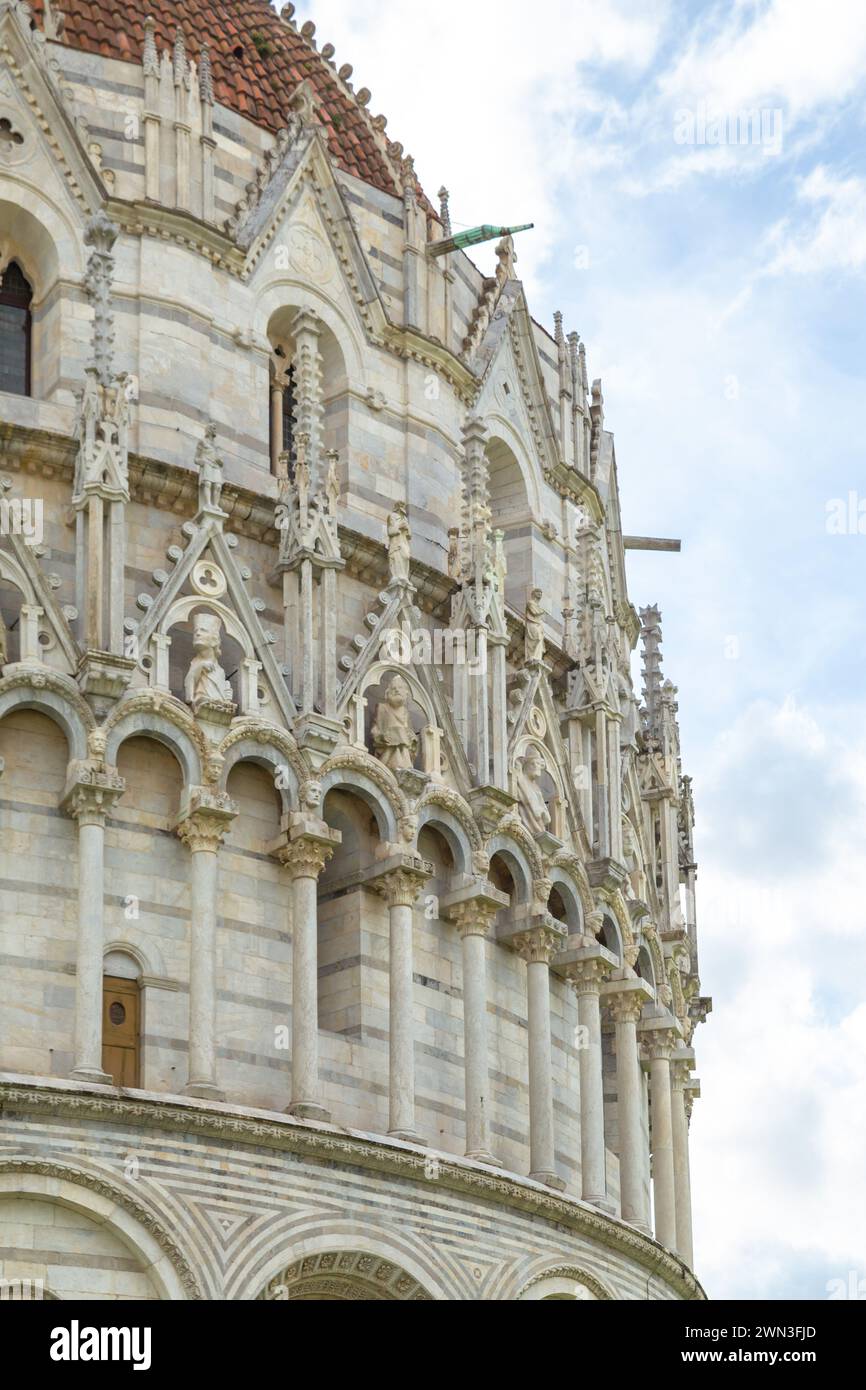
{"type": "Point", "coordinates": [319, 1142]}
{"type": "Point", "coordinates": [113, 1193]}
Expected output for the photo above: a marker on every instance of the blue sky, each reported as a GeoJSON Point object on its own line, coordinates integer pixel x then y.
{"type": "Point", "coordinates": [720, 289]}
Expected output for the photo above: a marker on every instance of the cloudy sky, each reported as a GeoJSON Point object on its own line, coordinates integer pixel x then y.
{"type": "Point", "coordinates": [717, 271]}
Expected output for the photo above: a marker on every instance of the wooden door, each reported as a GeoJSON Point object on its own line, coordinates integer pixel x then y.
{"type": "Point", "coordinates": [120, 1028]}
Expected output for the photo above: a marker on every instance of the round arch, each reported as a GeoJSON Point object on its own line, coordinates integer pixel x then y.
{"type": "Point", "coordinates": [285, 296]}
{"type": "Point", "coordinates": [274, 760]}
{"type": "Point", "coordinates": [562, 883]}
{"type": "Point", "coordinates": [433, 815]}
{"type": "Point", "coordinates": [183, 608]}
{"type": "Point", "coordinates": [564, 1284]}
{"type": "Point", "coordinates": [361, 784]}
{"type": "Point", "coordinates": [515, 856]}
{"type": "Point", "coordinates": [141, 949]}
{"type": "Point", "coordinates": [611, 936]}
{"type": "Point", "coordinates": [141, 724]}
{"type": "Point", "coordinates": [57, 707]}
{"type": "Point", "coordinates": [106, 1202]}
{"type": "Point", "coordinates": [299, 1243]}
{"type": "Point", "coordinates": [514, 491]}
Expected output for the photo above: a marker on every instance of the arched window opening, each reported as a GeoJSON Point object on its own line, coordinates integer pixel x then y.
{"type": "Point", "coordinates": [282, 411]}
{"type": "Point", "coordinates": [121, 1034]}
{"type": "Point", "coordinates": [16, 295]}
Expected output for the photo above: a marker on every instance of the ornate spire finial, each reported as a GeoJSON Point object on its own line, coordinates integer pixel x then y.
{"type": "Point", "coordinates": [651, 637]}
{"type": "Point", "coordinates": [445, 210]}
{"type": "Point", "coordinates": [151, 57]}
{"type": "Point", "coordinates": [179, 62]}
{"type": "Point", "coordinates": [205, 77]}
{"type": "Point", "coordinates": [101, 234]}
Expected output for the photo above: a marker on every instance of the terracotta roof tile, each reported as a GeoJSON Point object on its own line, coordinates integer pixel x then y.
{"type": "Point", "coordinates": [257, 85]}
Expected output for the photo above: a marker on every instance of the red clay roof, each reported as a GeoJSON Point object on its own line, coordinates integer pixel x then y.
{"type": "Point", "coordinates": [256, 84]}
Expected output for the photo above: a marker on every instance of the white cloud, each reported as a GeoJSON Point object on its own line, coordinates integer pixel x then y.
{"type": "Point", "coordinates": [780, 1132]}
{"type": "Point", "coordinates": [789, 52]}
{"type": "Point", "coordinates": [835, 238]}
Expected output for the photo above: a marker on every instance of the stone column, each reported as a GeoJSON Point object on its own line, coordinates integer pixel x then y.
{"type": "Point", "coordinates": [474, 917]}
{"type": "Point", "coordinates": [309, 846]}
{"type": "Point", "coordinates": [660, 1047]}
{"type": "Point", "coordinates": [400, 888]}
{"type": "Point", "coordinates": [626, 999]}
{"type": "Point", "coordinates": [680, 1076]}
{"type": "Point", "coordinates": [497, 650]}
{"type": "Point", "coordinates": [538, 947]}
{"type": "Point", "coordinates": [201, 828]}
{"type": "Point", "coordinates": [587, 975]}
{"type": "Point", "coordinates": [91, 791]}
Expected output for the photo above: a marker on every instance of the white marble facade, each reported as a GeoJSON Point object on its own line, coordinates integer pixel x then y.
{"type": "Point", "coordinates": [334, 753]}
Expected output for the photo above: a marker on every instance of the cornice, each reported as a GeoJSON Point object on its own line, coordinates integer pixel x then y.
{"type": "Point", "coordinates": [359, 1150]}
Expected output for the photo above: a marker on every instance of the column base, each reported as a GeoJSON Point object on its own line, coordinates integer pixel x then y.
{"type": "Point", "coordinates": [407, 1136]}
{"type": "Point", "coordinates": [484, 1157]}
{"type": "Point", "coordinates": [549, 1180]}
{"type": "Point", "coordinates": [309, 1110]}
{"type": "Point", "coordinates": [91, 1077]}
{"type": "Point", "coordinates": [642, 1226]}
{"type": "Point", "coordinates": [602, 1203]}
{"type": "Point", "coordinates": [203, 1090]}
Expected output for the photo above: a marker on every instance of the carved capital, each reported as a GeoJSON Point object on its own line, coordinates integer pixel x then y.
{"type": "Point", "coordinates": [473, 918]}
{"type": "Point", "coordinates": [402, 885]}
{"type": "Point", "coordinates": [307, 848]}
{"type": "Point", "coordinates": [681, 1075]}
{"type": "Point", "coordinates": [661, 1043]}
{"type": "Point", "coordinates": [91, 791]}
{"type": "Point", "coordinates": [473, 909]}
{"type": "Point", "coordinates": [588, 976]}
{"type": "Point", "coordinates": [208, 816]}
{"type": "Point", "coordinates": [625, 1007]}
{"type": "Point", "coordinates": [541, 943]}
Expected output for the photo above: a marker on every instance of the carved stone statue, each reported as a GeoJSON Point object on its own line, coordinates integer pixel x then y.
{"type": "Point", "coordinates": [530, 795]}
{"type": "Point", "coordinates": [210, 472]}
{"type": "Point", "coordinates": [500, 564]}
{"type": "Point", "coordinates": [631, 859]}
{"type": "Point", "coordinates": [394, 739]}
{"type": "Point", "coordinates": [454, 553]}
{"type": "Point", "coordinates": [535, 627]}
{"type": "Point", "coordinates": [332, 484]}
{"type": "Point", "coordinates": [206, 680]}
{"type": "Point", "coordinates": [399, 543]}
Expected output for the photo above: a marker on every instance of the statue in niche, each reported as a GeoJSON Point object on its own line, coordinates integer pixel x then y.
{"type": "Point", "coordinates": [500, 564]}
{"type": "Point", "coordinates": [210, 472]}
{"type": "Point", "coordinates": [535, 627]}
{"type": "Point", "coordinates": [206, 680]}
{"type": "Point", "coordinates": [629, 709]}
{"type": "Point", "coordinates": [394, 739]}
{"type": "Point", "coordinates": [399, 544]}
{"type": "Point", "coordinates": [332, 484]}
{"type": "Point", "coordinates": [454, 553]}
{"type": "Point", "coordinates": [632, 860]}
{"type": "Point", "coordinates": [530, 794]}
